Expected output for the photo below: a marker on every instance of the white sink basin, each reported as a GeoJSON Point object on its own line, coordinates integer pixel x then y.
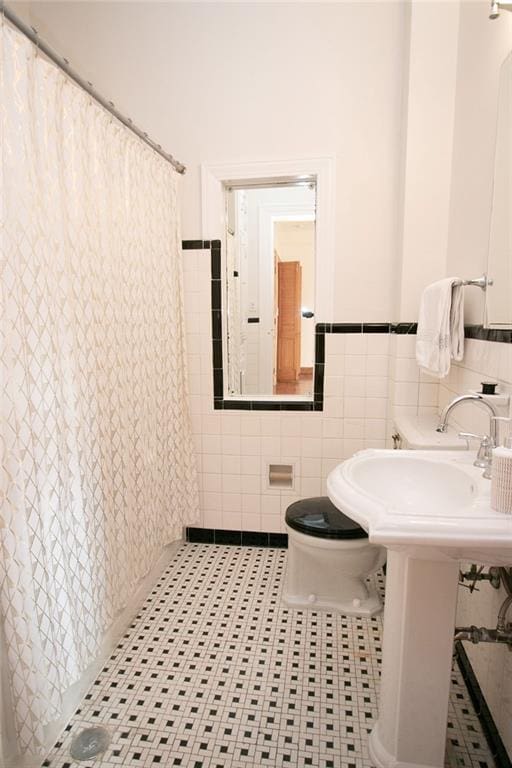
{"type": "Point", "coordinates": [423, 499]}
{"type": "Point", "coordinates": [415, 486]}
{"type": "Point", "coordinates": [430, 509]}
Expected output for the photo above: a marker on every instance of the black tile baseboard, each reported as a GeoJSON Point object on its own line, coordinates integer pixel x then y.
{"type": "Point", "coordinates": [483, 713]}
{"type": "Point", "coordinates": [238, 538]}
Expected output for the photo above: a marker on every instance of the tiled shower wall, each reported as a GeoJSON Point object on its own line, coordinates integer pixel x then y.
{"type": "Point", "coordinates": [234, 448]}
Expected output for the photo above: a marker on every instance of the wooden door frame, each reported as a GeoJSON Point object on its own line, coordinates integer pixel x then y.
{"type": "Point", "coordinates": [268, 215]}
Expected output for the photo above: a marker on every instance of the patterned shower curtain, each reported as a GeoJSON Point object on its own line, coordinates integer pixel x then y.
{"type": "Point", "coordinates": [96, 456]}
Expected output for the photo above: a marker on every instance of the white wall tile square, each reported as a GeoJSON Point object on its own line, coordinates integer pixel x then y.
{"type": "Point", "coordinates": [377, 365]}
{"type": "Point", "coordinates": [271, 426]}
{"type": "Point", "coordinates": [250, 425]}
{"type": "Point", "coordinates": [251, 503]}
{"type": "Point", "coordinates": [270, 504]}
{"type": "Point", "coordinates": [355, 365]}
{"type": "Point", "coordinates": [311, 425]}
{"type": "Point", "coordinates": [231, 483]}
{"type": "Point", "coordinates": [250, 446]}
{"type": "Point", "coordinates": [212, 483]}
{"type": "Point", "coordinates": [290, 446]}
{"type": "Point", "coordinates": [250, 465]}
{"type": "Point", "coordinates": [231, 464]}
{"type": "Point", "coordinates": [377, 386]}
{"type": "Point", "coordinates": [270, 446]}
{"type": "Point", "coordinates": [311, 467]}
{"type": "Point", "coordinates": [251, 521]}
{"type": "Point", "coordinates": [354, 428]}
{"type": "Point", "coordinates": [355, 386]}
{"type": "Point", "coordinates": [213, 501]}
{"type": "Point", "coordinates": [311, 447]}
{"type": "Point", "coordinates": [230, 424]}
{"type": "Point", "coordinates": [332, 427]}
{"type": "Point", "coordinates": [250, 483]}
{"type": "Point", "coordinates": [212, 444]}
{"type": "Point", "coordinates": [428, 394]}
{"type": "Point", "coordinates": [231, 445]}
{"type": "Point", "coordinates": [354, 407]}
{"type": "Point", "coordinates": [377, 344]}
{"type": "Point", "coordinates": [290, 425]}
{"type": "Point", "coordinates": [356, 344]}
{"type": "Point", "coordinates": [332, 448]}
{"type": "Point", "coordinates": [310, 486]}
{"type": "Point", "coordinates": [232, 502]}
{"type": "Point", "coordinates": [406, 393]}
{"type": "Point", "coordinates": [271, 523]}
{"type": "Point", "coordinates": [376, 408]}
{"type": "Point", "coordinates": [232, 520]}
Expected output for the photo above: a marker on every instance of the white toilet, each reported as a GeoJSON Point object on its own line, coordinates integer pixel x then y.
{"type": "Point", "coordinates": [329, 558]}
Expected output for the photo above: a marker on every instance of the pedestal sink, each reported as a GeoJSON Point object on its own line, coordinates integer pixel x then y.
{"type": "Point", "coordinates": [431, 510]}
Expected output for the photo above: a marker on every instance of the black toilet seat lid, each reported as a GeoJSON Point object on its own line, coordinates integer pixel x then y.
{"type": "Point", "coordinates": [319, 517]}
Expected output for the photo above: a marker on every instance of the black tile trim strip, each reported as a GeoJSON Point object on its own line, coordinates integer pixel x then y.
{"type": "Point", "coordinates": [502, 336]}
{"type": "Point", "coordinates": [317, 404]}
{"type": "Point", "coordinates": [404, 328]}
{"type": "Point", "coordinates": [483, 713]}
{"type": "Point", "coordinates": [237, 538]}
{"type": "Point", "coordinates": [195, 245]}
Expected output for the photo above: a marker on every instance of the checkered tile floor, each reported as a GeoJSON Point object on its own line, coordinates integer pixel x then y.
{"type": "Point", "coordinates": [215, 673]}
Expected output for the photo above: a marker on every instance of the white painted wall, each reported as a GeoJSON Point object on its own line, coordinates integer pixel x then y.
{"type": "Point", "coordinates": [235, 82]}
{"type": "Point", "coordinates": [483, 45]}
{"type": "Point", "coordinates": [427, 150]}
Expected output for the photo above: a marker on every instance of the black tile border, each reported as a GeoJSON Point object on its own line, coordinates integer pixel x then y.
{"type": "Point", "coordinates": [195, 535]}
{"type": "Point", "coordinates": [482, 711]}
{"type": "Point", "coordinates": [317, 403]}
{"type": "Point", "coordinates": [488, 334]}
{"type": "Point", "coordinates": [402, 329]}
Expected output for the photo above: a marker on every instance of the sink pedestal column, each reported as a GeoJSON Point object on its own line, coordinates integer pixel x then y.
{"type": "Point", "coordinates": [419, 621]}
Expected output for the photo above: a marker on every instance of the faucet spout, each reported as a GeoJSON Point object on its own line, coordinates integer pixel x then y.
{"type": "Point", "coordinates": [476, 398]}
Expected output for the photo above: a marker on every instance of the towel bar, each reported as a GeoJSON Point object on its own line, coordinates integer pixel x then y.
{"type": "Point", "coordinates": [482, 282]}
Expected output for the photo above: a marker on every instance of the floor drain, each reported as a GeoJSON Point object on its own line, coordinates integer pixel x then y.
{"type": "Point", "coordinates": [90, 743]}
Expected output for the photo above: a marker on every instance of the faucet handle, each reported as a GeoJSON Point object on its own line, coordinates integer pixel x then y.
{"type": "Point", "coordinates": [484, 455]}
{"type": "Point", "coordinates": [471, 436]}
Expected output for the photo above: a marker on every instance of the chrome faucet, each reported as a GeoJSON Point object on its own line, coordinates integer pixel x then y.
{"type": "Point", "coordinates": [488, 442]}
{"type": "Point", "coordinates": [443, 419]}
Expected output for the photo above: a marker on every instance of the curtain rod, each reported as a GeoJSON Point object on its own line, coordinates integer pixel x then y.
{"type": "Point", "coordinates": [63, 64]}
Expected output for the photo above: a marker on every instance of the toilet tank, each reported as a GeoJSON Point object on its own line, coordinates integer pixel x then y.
{"type": "Point", "coordinates": [419, 433]}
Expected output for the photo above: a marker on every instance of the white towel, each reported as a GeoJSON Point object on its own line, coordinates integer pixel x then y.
{"type": "Point", "coordinates": [440, 335]}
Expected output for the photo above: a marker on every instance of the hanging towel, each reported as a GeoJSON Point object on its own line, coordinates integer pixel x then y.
{"type": "Point", "coordinates": [440, 335]}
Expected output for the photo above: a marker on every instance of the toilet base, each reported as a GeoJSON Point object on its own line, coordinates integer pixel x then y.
{"type": "Point", "coordinates": [330, 575]}
{"type": "Point", "coordinates": [367, 607]}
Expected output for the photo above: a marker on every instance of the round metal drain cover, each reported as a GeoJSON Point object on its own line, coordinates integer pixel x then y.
{"type": "Point", "coordinates": [90, 743]}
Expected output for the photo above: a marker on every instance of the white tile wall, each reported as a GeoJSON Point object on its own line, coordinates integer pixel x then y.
{"type": "Point", "coordinates": [234, 448]}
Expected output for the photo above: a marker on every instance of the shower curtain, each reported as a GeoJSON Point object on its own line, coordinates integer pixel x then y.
{"type": "Point", "coordinates": [97, 464]}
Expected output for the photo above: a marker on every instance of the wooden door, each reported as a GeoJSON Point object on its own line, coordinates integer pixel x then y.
{"type": "Point", "coordinates": [289, 320]}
